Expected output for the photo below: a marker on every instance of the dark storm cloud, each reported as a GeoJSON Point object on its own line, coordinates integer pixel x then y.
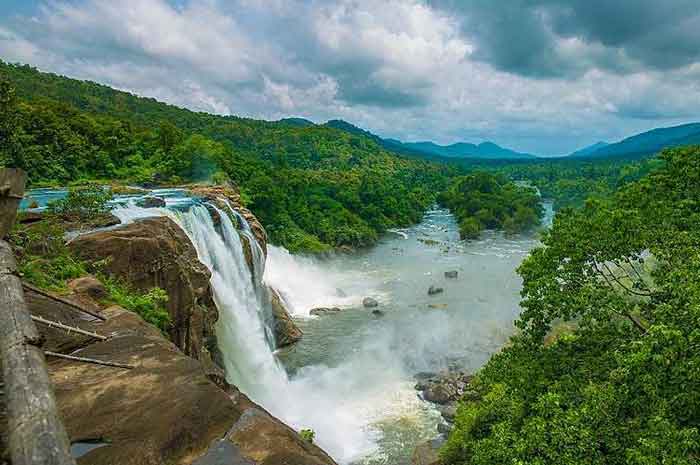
{"type": "Point", "coordinates": [529, 37]}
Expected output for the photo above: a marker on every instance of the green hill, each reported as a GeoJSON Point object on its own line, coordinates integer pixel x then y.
{"type": "Point", "coordinates": [314, 187]}
{"type": "Point", "coordinates": [647, 143]}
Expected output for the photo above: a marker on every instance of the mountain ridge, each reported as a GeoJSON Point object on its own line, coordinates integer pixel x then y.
{"type": "Point", "coordinates": [646, 143]}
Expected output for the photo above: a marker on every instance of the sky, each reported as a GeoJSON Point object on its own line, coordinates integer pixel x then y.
{"type": "Point", "coordinates": [541, 76]}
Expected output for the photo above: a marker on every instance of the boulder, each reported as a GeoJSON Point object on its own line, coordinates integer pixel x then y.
{"type": "Point", "coordinates": [324, 310]}
{"type": "Point", "coordinates": [448, 411]}
{"type": "Point", "coordinates": [370, 302]}
{"type": "Point", "coordinates": [445, 388]}
{"type": "Point", "coordinates": [377, 312]}
{"type": "Point", "coordinates": [434, 290]}
{"type": "Point", "coordinates": [151, 201]}
{"type": "Point", "coordinates": [286, 331]}
{"type": "Point", "coordinates": [90, 286]}
{"type": "Point", "coordinates": [451, 274]}
{"type": "Point", "coordinates": [155, 252]}
{"type": "Point", "coordinates": [164, 410]}
{"type": "Point", "coordinates": [445, 428]}
{"type": "Point", "coordinates": [426, 453]}
{"type": "Point", "coordinates": [440, 393]}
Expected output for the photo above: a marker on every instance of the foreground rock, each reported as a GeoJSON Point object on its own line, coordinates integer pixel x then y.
{"type": "Point", "coordinates": [165, 410]}
{"type": "Point", "coordinates": [155, 252]}
{"type": "Point", "coordinates": [90, 286]}
{"type": "Point", "coordinates": [286, 331]}
{"type": "Point", "coordinates": [370, 302]}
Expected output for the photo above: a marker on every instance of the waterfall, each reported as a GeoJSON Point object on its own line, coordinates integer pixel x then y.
{"type": "Point", "coordinates": [244, 327]}
{"type": "Point", "coordinates": [335, 402]}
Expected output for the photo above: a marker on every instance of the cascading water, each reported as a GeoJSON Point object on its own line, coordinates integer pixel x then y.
{"type": "Point", "coordinates": [332, 401]}
{"type": "Point", "coordinates": [353, 373]}
{"type": "Point", "coordinates": [241, 329]}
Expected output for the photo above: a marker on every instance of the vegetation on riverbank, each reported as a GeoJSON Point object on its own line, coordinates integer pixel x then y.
{"type": "Point", "coordinates": [570, 182]}
{"type": "Point", "coordinates": [314, 188]}
{"type": "Point", "coordinates": [482, 200]}
{"type": "Point", "coordinates": [623, 387]}
{"type": "Point", "coordinates": [46, 262]}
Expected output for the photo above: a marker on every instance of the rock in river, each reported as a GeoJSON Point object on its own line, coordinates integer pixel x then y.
{"type": "Point", "coordinates": [451, 274]}
{"type": "Point", "coordinates": [152, 201]}
{"type": "Point", "coordinates": [433, 290]}
{"type": "Point", "coordinates": [324, 310]}
{"type": "Point", "coordinates": [286, 331]}
{"type": "Point", "coordinates": [369, 302]}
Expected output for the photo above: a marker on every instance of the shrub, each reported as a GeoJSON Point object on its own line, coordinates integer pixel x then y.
{"type": "Point", "coordinates": [82, 203]}
{"type": "Point", "coordinates": [42, 256]}
{"type": "Point", "coordinates": [149, 305]}
{"type": "Point", "coordinates": [307, 435]}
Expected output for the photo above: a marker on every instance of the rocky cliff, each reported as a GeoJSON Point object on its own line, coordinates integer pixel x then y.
{"type": "Point", "coordinates": [155, 252]}
{"type": "Point", "coordinates": [165, 409]}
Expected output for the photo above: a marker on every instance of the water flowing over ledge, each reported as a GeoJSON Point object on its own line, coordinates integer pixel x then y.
{"type": "Point", "coordinates": [352, 375]}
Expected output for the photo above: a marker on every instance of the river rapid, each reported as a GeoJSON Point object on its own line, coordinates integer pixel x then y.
{"type": "Point", "coordinates": [358, 369]}
{"type": "Point", "coordinates": [351, 378]}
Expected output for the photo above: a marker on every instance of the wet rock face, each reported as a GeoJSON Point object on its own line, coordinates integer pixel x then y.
{"type": "Point", "coordinates": [222, 194]}
{"type": "Point", "coordinates": [155, 252]}
{"type": "Point", "coordinates": [152, 201]}
{"type": "Point", "coordinates": [286, 331]}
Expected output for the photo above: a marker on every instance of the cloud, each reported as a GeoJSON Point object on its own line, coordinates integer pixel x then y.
{"type": "Point", "coordinates": [542, 76]}
{"type": "Point", "coordinates": [545, 38]}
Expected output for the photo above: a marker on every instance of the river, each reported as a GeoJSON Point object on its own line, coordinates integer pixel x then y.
{"type": "Point", "coordinates": [351, 377]}
{"type": "Point", "coordinates": [357, 368]}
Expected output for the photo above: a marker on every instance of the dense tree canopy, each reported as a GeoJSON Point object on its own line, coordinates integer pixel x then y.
{"type": "Point", "coordinates": [481, 200]}
{"type": "Point", "coordinates": [622, 386]}
{"type": "Point", "coordinates": [312, 187]}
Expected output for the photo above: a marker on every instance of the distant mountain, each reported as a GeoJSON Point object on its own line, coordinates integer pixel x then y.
{"type": "Point", "coordinates": [485, 150]}
{"type": "Point", "coordinates": [589, 150]}
{"type": "Point", "coordinates": [297, 122]}
{"type": "Point", "coordinates": [648, 143]}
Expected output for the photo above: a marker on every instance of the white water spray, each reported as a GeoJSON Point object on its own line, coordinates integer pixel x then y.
{"type": "Point", "coordinates": [334, 402]}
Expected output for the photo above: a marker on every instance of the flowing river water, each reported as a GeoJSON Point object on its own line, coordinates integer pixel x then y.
{"type": "Point", "coordinates": [358, 368]}
{"type": "Point", "coordinates": [351, 377]}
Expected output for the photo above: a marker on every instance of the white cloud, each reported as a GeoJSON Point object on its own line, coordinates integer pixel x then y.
{"type": "Point", "coordinates": [401, 68]}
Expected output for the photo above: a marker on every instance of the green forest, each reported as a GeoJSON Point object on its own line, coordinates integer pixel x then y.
{"type": "Point", "coordinates": [605, 369]}
{"type": "Point", "coordinates": [314, 188]}
{"type": "Point", "coordinates": [482, 200]}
